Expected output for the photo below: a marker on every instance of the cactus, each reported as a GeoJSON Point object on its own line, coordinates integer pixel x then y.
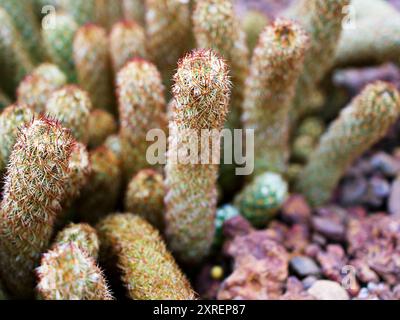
{"type": "Point", "coordinates": [82, 235]}
{"type": "Point", "coordinates": [147, 269]}
{"type": "Point", "coordinates": [113, 143]}
{"type": "Point", "coordinates": [22, 13]}
{"type": "Point", "coordinates": [68, 273]}
{"type": "Point", "coordinates": [254, 22]}
{"type": "Point", "coordinates": [134, 10]}
{"type": "Point", "coordinates": [82, 11]}
{"type": "Point", "coordinates": [322, 19]}
{"type": "Point", "coordinates": [100, 195]}
{"type": "Point", "coordinates": [101, 125]}
{"type": "Point", "coordinates": [127, 41]}
{"type": "Point", "coordinates": [15, 61]}
{"type": "Point", "coordinates": [141, 108]}
{"type": "Point", "coordinates": [93, 65]}
{"type": "Point", "coordinates": [223, 214]}
{"type": "Point", "coordinates": [34, 188]}
{"type": "Point", "coordinates": [36, 89]}
{"type": "Point", "coordinates": [169, 32]}
{"type": "Point", "coordinates": [11, 120]}
{"type": "Point", "coordinates": [362, 123]}
{"type": "Point", "coordinates": [145, 196]}
{"type": "Point", "coordinates": [108, 12]}
{"type": "Point", "coordinates": [201, 94]}
{"type": "Point", "coordinates": [4, 100]}
{"type": "Point", "coordinates": [275, 69]}
{"type": "Point", "coordinates": [72, 107]}
{"type": "Point", "coordinates": [58, 41]}
{"type": "Point", "coordinates": [262, 198]}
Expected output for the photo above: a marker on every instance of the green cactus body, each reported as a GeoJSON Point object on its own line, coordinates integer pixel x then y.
{"type": "Point", "coordinates": [101, 125]}
{"type": "Point", "coordinates": [361, 124]}
{"type": "Point", "coordinates": [72, 107]}
{"type": "Point", "coordinates": [82, 11]}
{"type": "Point", "coordinates": [127, 41]}
{"type": "Point", "coordinates": [34, 188]}
{"type": "Point", "coordinates": [100, 195]}
{"type": "Point", "coordinates": [59, 44]}
{"type": "Point", "coordinates": [275, 69]}
{"type": "Point", "coordinates": [254, 22]}
{"type": "Point", "coordinates": [22, 13]}
{"type": "Point", "coordinates": [15, 61]}
{"type": "Point", "coordinates": [201, 94]}
{"type": "Point", "coordinates": [145, 196]}
{"type": "Point", "coordinates": [147, 269]}
{"type": "Point", "coordinates": [134, 10]}
{"type": "Point", "coordinates": [108, 12]}
{"type": "Point", "coordinates": [262, 198]}
{"type": "Point", "coordinates": [223, 214]}
{"type": "Point", "coordinates": [141, 108]}
{"type": "Point", "coordinates": [4, 100]}
{"type": "Point", "coordinates": [35, 90]}
{"type": "Point", "coordinates": [169, 32]}
{"type": "Point", "coordinates": [322, 19]}
{"type": "Point", "coordinates": [113, 143]}
{"type": "Point", "coordinates": [11, 120]}
{"type": "Point", "coordinates": [92, 63]}
{"type": "Point", "coordinates": [68, 273]}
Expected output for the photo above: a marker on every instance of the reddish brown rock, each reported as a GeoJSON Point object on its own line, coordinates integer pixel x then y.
{"type": "Point", "coordinates": [295, 291]}
{"type": "Point", "coordinates": [296, 209]}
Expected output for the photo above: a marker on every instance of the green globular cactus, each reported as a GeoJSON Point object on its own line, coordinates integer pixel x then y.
{"type": "Point", "coordinates": [81, 234]}
{"type": "Point", "coordinates": [108, 12]}
{"type": "Point", "coordinates": [68, 273]}
{"type": "Point", "coordinates": [113, 143]}
{"type": "Point", "coordinates": [34, 188]}
{"type": "Point", "coordinates": [15, 61]}
{"type": "Point", "coordinates": [92, 63]}
{"type": "Point", "coordinates": [361, 124]}
{"type": "Point", "coordinates": [223, 214]}
{"type": "Point", "coordinates": [100, 195]}
{"type": "Point", "coordinates": [201, 94]}
{"type": "Point", "coordinates": [254, 22]}
{"type": "Point", "coordinates": [11, 120]}
{"type": "Point", "coordinates": [147, 269]}
{"type": "Point", "coordinates": [322, 19]}
{"type": "Point", "coordinates": [4, 100]}
{"type": "Point", "coordinates": [260, 200]}
{"type": "Point", "coordinates": [275, 69]}
{"type": "Point", "coordinates": [58, 40]}
{"type": "Point", "coordinates": [36, 88]}
{"type": "Point", "coordinates": [141, 108]}
{"type": "Point", "coordinates": [82, 11]}
{"type": "Point", "coordinates": [145, 196]}
{"type": "Point", "coordinates": [127, 41]}
{"type": "Point", "coordinates": [169, 33]}
{"type": "Point", "coordinates": [101, 125]}
{"type": "Point", "coordinates": [134, 10]}
{"type": "Point", "coordinates": [72, 107]}
{"type": "Point", "coordinates": [23, 15]}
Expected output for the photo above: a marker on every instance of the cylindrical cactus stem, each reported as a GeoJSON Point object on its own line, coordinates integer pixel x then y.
{"type": "Point", "coordinates": [81, 234]}
{"type": "Point", "coordinates": [36, 89]}
{"type": "Point", "coordinates": [82, 11]}
{"type": "Point", "coordinates": [15, 61]}
{"type": "Point", "coordinates": [12, 119]}
{"type": "Point", "coordinates": [147, 269]}
{"type": "Point", "coordinates": [169, 31]}
{"type": "Point", "coordinates": [127, 41]}
{"type": "Point", "coordinates": [58, 40]}
{"type": "Point", "coordinates": [100, 195]}
{"type": "Point", "coordinates": [275, 69]}
{"type": "Point", "coordinates": [134, 10]}
{"type": "Point", "coordinates": [145, 196]}
{"type": "Point", "coordinates": [4, 100]}
{"type": "Point", "coordinates": [322, 19]}
{"type": "Point", "coordinates": [260, 200]}
{"type": "Point", "coordinates": [254, 22]}
{"type": "Point", "coordinates": [92, 63]}
{"type": "Point", "coordinates": [141, 108]}
{"type": "Point", "coordinates": [101, 125]}
{"type": "Point", "coordinates": [108, 12]}
{"type": "Point", "coordinates": [201, 94]}
{"type": "Point", "coordinates": [34, 188]}
{"type": "Point", "coordinates": [67, 272]}
{"type": "Point", "coordinates": [72, 107]}
{"type": "Point", "coordinates": [361, 124]}
{"type": "Point", "coordinates": [22, 13]}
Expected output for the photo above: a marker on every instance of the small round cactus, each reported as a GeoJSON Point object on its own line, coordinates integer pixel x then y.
{"type": "Point", "coordinates": [101, 125]}
{"type": "Point", "coordinates": [145, 196]}
{"type": "Point", "coordinates": [262, 198]}
{"type": "Point", "coordinates": [223, 214]}
{"type": "Point", "coordinates": [147, 269]}
{"type": "Point", "coordinates": [113, 143]}
{"type": "Point", "coordinates": [134, 10]}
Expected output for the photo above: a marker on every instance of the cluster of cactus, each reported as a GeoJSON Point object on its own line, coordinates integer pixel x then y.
{"type": "Point", "coordinates": [80, 92]}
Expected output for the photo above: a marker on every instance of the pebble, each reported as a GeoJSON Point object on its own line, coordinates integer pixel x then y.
{"type": "Point", "coordinates": [394, 198]}
{"type": "Point", "coordinates": [329, 228]}
{"type": "Point", "coordinates": [328, 290]}
{"type": "Point", "coordinates": [304, 266]}
{"type": "Point", "coordinates": [296, 209]}
{"type": "Point", "coordinates": [385, 163]}
{"type": "Point", "coordinates": [353, 190]}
